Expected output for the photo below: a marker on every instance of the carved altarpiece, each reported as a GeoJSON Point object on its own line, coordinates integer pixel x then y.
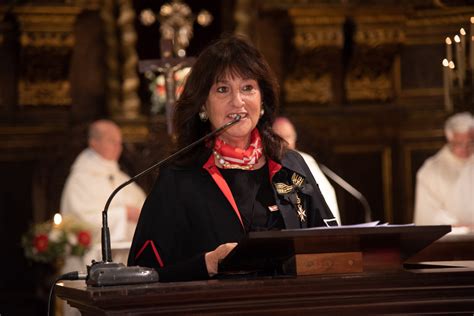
{"type": "Point", "coordinates": [374, 64]}
{"type": "Point", "coordinates": [47, 41]}
{"type": "Point", "coordinates": [363, 84]}
{"type": "Point", "coordinates": [318, 41]}
{"type": "Point", "coordinates": [334, 44]}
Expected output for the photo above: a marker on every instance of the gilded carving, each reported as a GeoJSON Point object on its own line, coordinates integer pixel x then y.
{"type": "Point", "coordinates": [122, 78]}
{"type": "Point", "coordinates": [431, 26]}
{"type": "Point", "coordinates": [309, 89]}
{"type": "Point", "coordinates": [111, 58]}
{"type": "Point", "coordinates": [374, 36]}
{"type": "Point", "coordinates": [312, 38]}
{"type": "Point", "coordinates": [370, 75]}
{"type": "Point", "coordinates": [314, 29]}
{"type": "Point", "coordinates": [135, 133]}
{"type": "Point", "coordinates": [367, 88]}
{"type": "Point", "coordinates": [310, 76]}
{"type": "Point", "coordinates": [42, 39]}
{"type": "Point", "coordinates": [47, 25]}
{"type": "Point", "coordinates": [374, 46]}
{"type": "Point", "coordinates": [376, 41]}
{"type": "Point", "coordinates": [86, 4]}
{"type": "Point", "coordinates": [44, 93]}
{"type": "Point", "coordinates": [318, 39]}
{"type": "Point", "coordinates": [47, 40]}
{"type": "Point", "coordinates": [374, 29]}
{"type": "Point", "coordinates": [130, 101]}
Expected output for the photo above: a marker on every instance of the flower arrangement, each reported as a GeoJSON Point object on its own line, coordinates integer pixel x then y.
{"type": "Point", "coordinates": [52, 240]}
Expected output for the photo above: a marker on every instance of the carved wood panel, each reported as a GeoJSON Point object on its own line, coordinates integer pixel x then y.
{"type": "Point", "coordinates": [368, 168]}
{"type": "Point", "coordinates": [47, 39]}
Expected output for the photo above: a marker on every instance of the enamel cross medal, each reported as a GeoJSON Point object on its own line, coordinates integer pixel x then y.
{"type": "Point", "coordinates": [290, 191]}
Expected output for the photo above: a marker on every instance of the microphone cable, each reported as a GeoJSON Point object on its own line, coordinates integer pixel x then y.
{"type": "Point", "coordinates": [70, 276]}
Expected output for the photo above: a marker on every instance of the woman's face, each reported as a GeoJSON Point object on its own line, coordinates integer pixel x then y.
{"type": "Point", "coordinates": [228, 97]}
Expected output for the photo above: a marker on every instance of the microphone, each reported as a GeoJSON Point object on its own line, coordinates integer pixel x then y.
{"type": "Point", "coordinates": [106, 272]}
{"type": "Point", "coordinates": [349, 188]}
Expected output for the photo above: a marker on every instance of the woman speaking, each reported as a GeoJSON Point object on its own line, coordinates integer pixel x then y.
{"type": "Point", "coordinates": [243, 179]}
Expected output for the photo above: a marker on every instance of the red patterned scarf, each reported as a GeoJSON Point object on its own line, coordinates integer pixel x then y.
{"type": "Point", "coordinates": [230, 157]}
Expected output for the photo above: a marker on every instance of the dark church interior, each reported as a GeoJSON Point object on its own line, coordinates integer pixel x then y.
{"type": "Point", "coordinates": [361, 80]}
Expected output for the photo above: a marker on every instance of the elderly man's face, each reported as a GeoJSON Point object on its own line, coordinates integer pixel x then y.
{"type": "Point", "coordinates": [109, 143]}
{"type": "Point", "coordinates": [285, 130]}
{"type": "Point", "coordinates": [462, 144]}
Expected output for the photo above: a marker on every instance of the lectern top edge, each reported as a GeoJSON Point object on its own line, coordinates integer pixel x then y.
{"type": "Point", "coordinates": [351, 230]}
{"type": "Point", "coordinates": [373, 248]}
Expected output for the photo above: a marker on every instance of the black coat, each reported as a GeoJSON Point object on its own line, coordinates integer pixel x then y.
{"type": "Point", "coordinates": [188, 214]}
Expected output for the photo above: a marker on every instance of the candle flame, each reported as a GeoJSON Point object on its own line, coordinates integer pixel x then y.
{"type": "Point", "coordinates": [445, 62]}
{"type": "Point", "coordinates": [472, 19]}
{"type": "Point", "coordinates": [451, 65]}
{"type": "Point", "coordinates": [448, 41]}
{"type": "Point", "coordinates": [462, 31]}
{"type": "Point", "coordinates": [457, 39]}
{"type": "Point", "coordinates": [57, 219]}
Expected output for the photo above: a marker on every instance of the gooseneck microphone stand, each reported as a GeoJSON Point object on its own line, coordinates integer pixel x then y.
{"type": "Point", "coordinates": [349, 188]}
{"type": "Point", "coordinates": [106, 272]}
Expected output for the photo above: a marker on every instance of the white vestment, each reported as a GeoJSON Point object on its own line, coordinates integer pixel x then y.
{"type": "Point", "coordinates": [461, 202]}
{"type": "Point", "coordinates": [91, 181]}
{"type": "Point", "coordinates": [435, 189]}
{"type": "Point", "coordinates": [324, 186]}
{"type": "Point", "coordinates": [88, 186]}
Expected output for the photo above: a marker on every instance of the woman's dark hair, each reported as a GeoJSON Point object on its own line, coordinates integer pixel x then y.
{"type": "Point", "coordinates": [236, 55]}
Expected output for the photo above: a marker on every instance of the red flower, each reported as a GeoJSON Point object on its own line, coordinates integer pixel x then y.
{"type": "Point", "coordinates": [41, 242]}
{"type": "Point", "coordinates": [84, 238]}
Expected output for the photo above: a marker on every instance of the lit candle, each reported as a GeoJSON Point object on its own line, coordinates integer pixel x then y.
{"type": "Point", "coordinates": [451, 74]}
{"type": "Point", "coordinates": [462, 35]}
{"type": "Point", "coordinates": [471, 46]}
{"type": "Point", "coordinates": [57, 219]}
{"type": "Point", "coordinates": [449, 49]}
{"type": "Point", "coordinates": [448, 106]}
{"type": "Point", "coordinates": [460, 70]}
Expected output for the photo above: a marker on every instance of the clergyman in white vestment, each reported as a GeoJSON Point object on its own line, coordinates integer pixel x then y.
{"type": "Point", "coordinates": [94, 175]}
{"type": "Point", "coordinates": [438, 195]}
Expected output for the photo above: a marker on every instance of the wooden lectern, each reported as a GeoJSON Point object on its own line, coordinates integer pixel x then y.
{"type": "Point", "coordinates": [340, 270]}
{"type": "Point", "coordinates": [344, 249]}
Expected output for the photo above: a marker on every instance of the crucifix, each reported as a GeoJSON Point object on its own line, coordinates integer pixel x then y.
{"type": "Point", "coordinates": [176, 29]}
{"type": "Point", "coordinates": [168, 66]}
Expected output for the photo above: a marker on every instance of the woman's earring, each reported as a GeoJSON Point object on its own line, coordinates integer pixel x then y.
{"type": "Point", "coordinates": [203, 116]}
{"type": "Point", "coordinates": [262, 111]}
